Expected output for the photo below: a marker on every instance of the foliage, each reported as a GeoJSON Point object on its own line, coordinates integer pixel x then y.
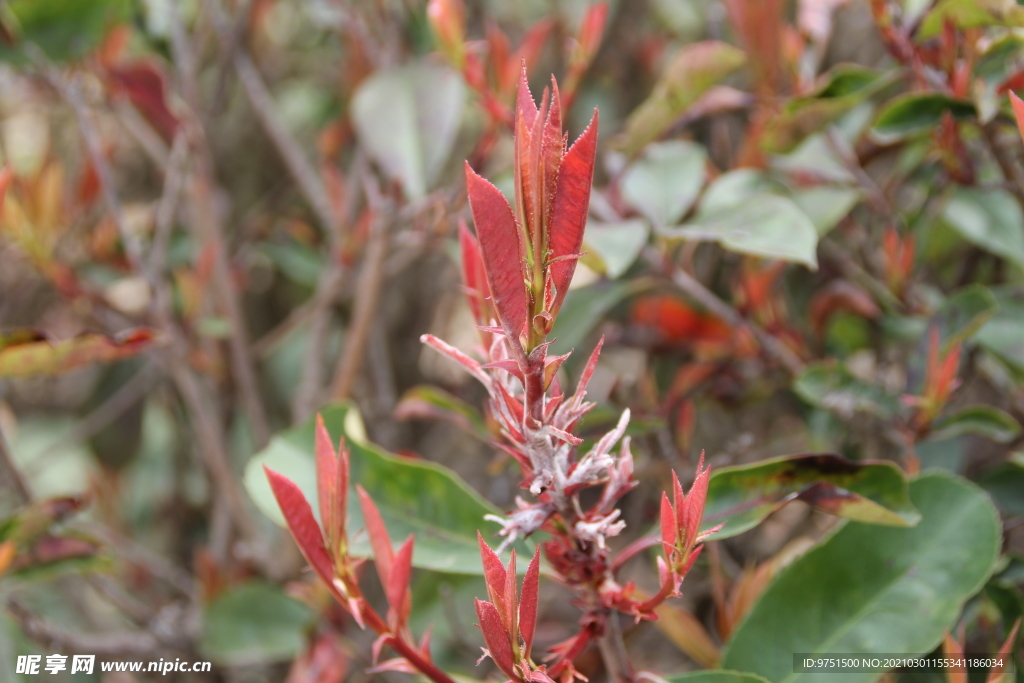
{"type": "Point", "coordinates": [282, 275]}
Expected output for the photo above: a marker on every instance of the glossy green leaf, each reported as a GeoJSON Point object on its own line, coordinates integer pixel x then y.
{"type": "Point", "coordinates": [407, 118]}
{"type": "Point", "coordinates": [831, 386]}
{"type": "Point", "coordinates": [254, 623]}
{"type": "Point", "coordinates": [664, 182]}
{"type": "Point", "coordinates": [991, 219]}
{"type": "Point", "coordinates": [692, 71]}
{"type": "Point", "coordinates": [742, 496]}
{"type": "Point", "coordinates": [918, 113]}
{"type": "Point", "coordinates": [765, 225]}
{"type": "Point", "coordinates": [414, 496]}
{"type": "Point", "coordinates": [871, 589]}
{"type": "Point", "coordinates": [614, 246]}
{"type": "Point", "coordinates": [63, 29]}
{"type": "Point", "coordinates": [714, 676]}
{"type": "Point", "coordinates": [986, 421]}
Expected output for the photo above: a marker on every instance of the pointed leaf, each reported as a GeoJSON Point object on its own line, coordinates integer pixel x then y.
{"type": "Point", "coordinates": [986, 421]}
{"type": "Point", "coordinates": [25, 353]}
{"type": "Point", "coordinates": [569, 213]}
{"type": "Point", "coordinates": [495, 637]}
{"type": "Point", "coordinates": [502, 250]}
{"type": "Point", "coordinates": [380, 540]}
{"type": "Point", "coordinates": [299, 517]}
{"type": "Point", "coordinates": [743, 495]}
{"type": "Point", "coordinates": [916, 113]}
{"type": "Point", "coordinates": [326, 474]}
{"type": "Point", "coordinates": [397, 587]}
{"type": "Point", "coordinates": [529, 602]}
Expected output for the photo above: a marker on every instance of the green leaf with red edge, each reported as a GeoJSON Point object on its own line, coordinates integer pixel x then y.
{"type": "Point", "coordinates": [569, 213]}
{"type": "Point", "coordinates": [502, 248]}
{"type": "Point", "coordinates": [24, 353]}
{"type": "Point", "coordinates": [742, 496]}
{"type": "Point", "coordinates": [693, 71]}
{"type": "Point", "coordinates": [413, 496]}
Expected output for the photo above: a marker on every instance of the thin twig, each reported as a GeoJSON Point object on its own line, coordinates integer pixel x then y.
{"type": "Point", "coordinates": [1003, 157]}
{"type": "Point", "coordinates": [101, 644]}
{"type": "Point", "coordinates": [367, 294]}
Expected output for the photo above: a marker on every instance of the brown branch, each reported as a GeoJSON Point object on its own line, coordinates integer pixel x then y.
{"type": "Point", "coordinates": [367, 295]}
{"type": "Point", "coordinates": [101, 644]}
{"type": "Point", "coordinates": [1004, 158]}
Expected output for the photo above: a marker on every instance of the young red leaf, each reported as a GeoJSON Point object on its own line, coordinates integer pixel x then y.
{"type": "Point", "coordinates": [380, 541]}
{"type": "Point", "coordinates": [1018, 111]}
{"type": "Point", "coordinates": [499, 647]}
{"type": "Point", "coordinates": [511, 597]}
{"type": "Point", "coordinates": [494, 575]}
{"type": "Point", "coordinates": [668, 524]}
{"type": "Point", "coordinates": [528, 602]}
{"type": "Point", "coordinates": [473, 274]}
{"type": "Point", "coordinates": [998, 674]}
{"type": "Point", "coordinates": [397, 587]}
{"type": "Point", "coordinates": [502, 251]}
{"type": "Point", "coordinates": [299, 517]}
{"type": "Point", "coordinates": [569, 213]}
{"type": "Point", "coordinates": [326, 475]}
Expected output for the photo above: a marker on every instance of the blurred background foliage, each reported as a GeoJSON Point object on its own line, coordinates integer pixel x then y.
{"type": "Point", "coordinates": [805, 254]}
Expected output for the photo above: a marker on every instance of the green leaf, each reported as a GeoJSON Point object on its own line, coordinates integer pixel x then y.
{"type": "Point", "coordinates": [986, 421]}
{"type": "Point", "coordinates": [1003, 334]}
{"type": "Point", "coordinates": [871, 589]}
{"type": "Point", "coordinates": [584, 307]}
{"type": "Point", "coordinates": [963, 313]}
{"type": "Point", "coordinates": [24, 353]}
{"type": "Point", "coordinates": [1005, 483]}
{"type": "Point", "coordinates": [919, 113]}
{"type": "Point", "coordinates": [414, 496]}
{"type": "Point", "coordinates": [663, 184]}
{"type": "Point", "coordinates": [842, 88]}
{"type": "Point", "coordinates": [63, 29]}
{"type": "Point", "coordinates": [967, 14]}
{"type": "Point", "coordinates": [255, 623]}
{"type": "Point", "coordinates": [990, 219]}
{"type": "Point", "coordinates": [721, 676]}
{"type": "Point", "coordinates": [733, 188]}
{"type": "Point", "coordinates": [826, 205]}
{"type": "Point", "coordinates": [742, 496]}
{"type": "Point", "coordinates": [765, 225]}
{"type": "Point", "coordinates": [692, 71]}
{"type": "Point", "coordinates": [407, 118]}
{"type": "Point", "coordinates": [615, 245]}
{"type": "Point", "coordinates": [831, 386]}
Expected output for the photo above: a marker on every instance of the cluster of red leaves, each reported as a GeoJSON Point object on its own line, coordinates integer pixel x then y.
{"type": "Point", "coordinates": [517, 271]}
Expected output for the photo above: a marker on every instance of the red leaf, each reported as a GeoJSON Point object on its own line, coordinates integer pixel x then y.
{"type": "Point", "coordinates": [569, 213]}
{"type": "Point", "coordinates": [24, 353]}
{"type": "Point", "coordinates": [511, 597]}
{"type": "Point", "coordinates": [502, 251]}
{"type": "Point", "coordinates": [497, 640]}
{"type": "Point", "coordinates": [473, 275]}
{"type": "Point", "coordinates": [326, 476]}
{"type": "Point", "coordinates": [494, 575]}
{"type": "Point", "coordinates": [380, 541]}
{"type": "Point", "coordinates": [398, 583]}
{"type": "Point", "coordinates": [528, 602]}
{"type": "Point", "coordinates": [143, 84]}
{"type": "Point", "coordinates": [299, 516]}
{"type": "Point", "coordinates": [668, 523]}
